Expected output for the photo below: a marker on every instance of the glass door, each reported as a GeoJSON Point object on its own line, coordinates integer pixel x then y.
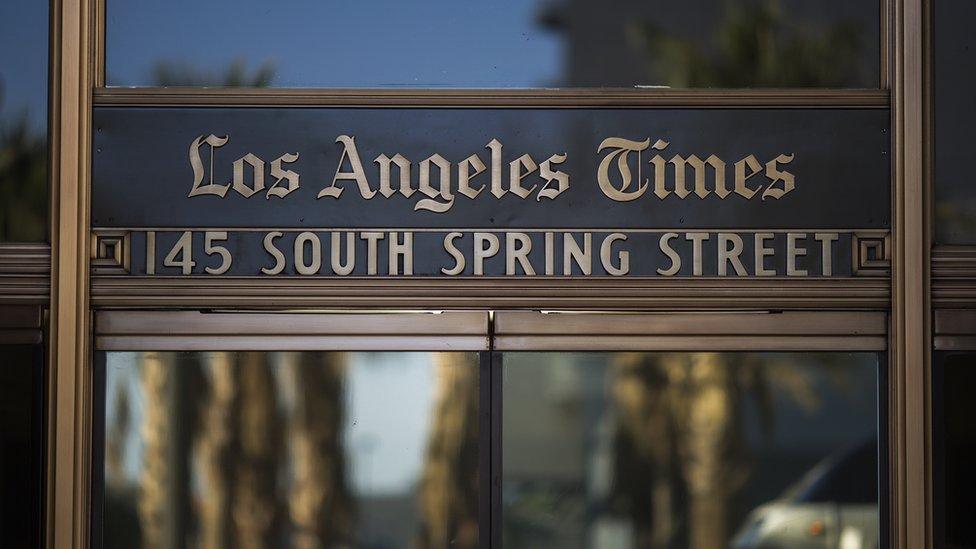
{"type": "Point", "coordinates": [690, 430]}
{"type": "Point", "coordinates": [289, 430]}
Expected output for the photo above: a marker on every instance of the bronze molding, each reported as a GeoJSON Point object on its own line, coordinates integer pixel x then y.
{"type": "Point", "coordinates": [498, 293]}
{"type": "Point", "coordinates": [743, 331]}
{"type": "Point", "coordinates": [25, 273]}
{"type": "Point", "coordinates": [342, 331]}
{"type": "Point", "coordinates": [556, 97]}
{"type": "Point", "coordinates": [954, 276]}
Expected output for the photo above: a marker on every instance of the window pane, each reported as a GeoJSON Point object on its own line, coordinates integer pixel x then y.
{"type": "Point", "coordinates": [508, 43]}
{"type": "Point", "coordinates": [956, 449]}
{"type": "Point", "coordinates": [21, 439]}
{"type": "Point", "coordinates": [953, 69]}
{"type": "Point", "coordinates": [291, 449]}
{"type": "Point", "coordinates": [627, 450]}
{"type": "Point", "coordinates": [23, 120]}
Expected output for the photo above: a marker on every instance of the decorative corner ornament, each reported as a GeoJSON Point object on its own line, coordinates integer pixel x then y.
{"type": "Point", "coordinates": [110, 252]}
{"type": "Point", "coordinates": [872, 254]}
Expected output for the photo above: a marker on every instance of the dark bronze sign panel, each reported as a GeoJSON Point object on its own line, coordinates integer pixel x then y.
{"type": "Point", "coordinates": [482, 192]}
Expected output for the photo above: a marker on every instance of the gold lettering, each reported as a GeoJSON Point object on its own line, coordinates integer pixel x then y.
{"type": "Point", "coordinates": [741, 176]}
{"type": "Point", "coordinates": [280, 174]}
{"type": "Point", "coordinates": [518, 169]}
{"type": "Point", "coordinates": [792, 252]}
{"type": "Point", "coordinates": [403, 170]}
{"type": "Point", "coordinates": [775, 175]}
{"type": "Point", "coordinates": [465, 176]}
{"type": "Point", "coordinates": [696, 251]}
{"type": "Point", "coordinates": [517, 248]}
{"type": "Point", "coordinates": [371, 238]}
{"type": "Point", "coordinates": [606, 253]}
{"type": "Point", "coordinates": [481, 252]}
{"type": "Point", "coordinates": [313, 266]}
{"type": "Point", "coordinates": [269, 246]}
{"type": "Point", "coordinates": [761, 253]}
{"type": "Point", "coordinates": [562, 178]}
{"type": "Point", "coordinates": [444, 193]}
{"type": "Point", "coordinates": [455, 253]}
{"type": "Point", "coordinates": [826, 256]}
{"type": "Point", "coordinates": [730, 255]}
{"type": "Point", "coordinates": [621, 149]}
{"type": "Point", "coordinates": [357, 174]}
{"type": "Point", "coordinates": [573, 253]}
{"type": "Point", "coordinates": [197, 164]}
{"type": "Point", "coordinates": [398, 250]}
{"type": "Point", "coordinates": [257, 169]}
{"type": "Point", "coordinates": [336, 253]}
{"type": "Point", "coordinates": [665, 245]}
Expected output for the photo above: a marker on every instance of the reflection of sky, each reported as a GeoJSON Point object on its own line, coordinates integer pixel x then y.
{"type": "Point", "coordinates": [389, 400]}
{"type": "Point", "coordinates": [389, 406]}
{"type": "Point", "coordinates": [329, 42]}
{"type": "Point", "coordinates": [23, 61]}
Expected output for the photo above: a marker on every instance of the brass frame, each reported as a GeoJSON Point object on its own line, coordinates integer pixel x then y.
{"type": "Point", "coordinates": [77, 83]}
{"type": "Point", "coordinates": [743, 331]}
{"type": "Point", "coordinates": [323, 331]}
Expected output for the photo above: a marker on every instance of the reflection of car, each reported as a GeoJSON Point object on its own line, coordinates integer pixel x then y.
{"type": "Point", "coordinates": [834, 505]}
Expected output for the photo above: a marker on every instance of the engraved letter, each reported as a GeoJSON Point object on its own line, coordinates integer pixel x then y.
{"type": "Point", "coordinates": [455, 253]}
{"type": "Point", "coordinates": [516, 174]}
{"type": "Point", "coordinates": [665, 245]}
{"type": "Point", "coordinates": [481, 252]}
{"type": "Point", "coordinates": [398, 250]}
{"type": "Point", "coordinates": [279, 257]}
{"type": "Point", "coordinates": [606, 251]}
{"type": "Point", "coordinates": [495, 147]}
{"type": "Point", "coordinates": [792, 252]}
{"type": "Point", "coordinates": [696, 251]}
{"type": "Point", "coordinates": [371, 239]}
{"type": "Point", "coordinates": [403, 170]}
{"type": "Point", "coordinates": [197, 165]}
{"type": "Point", "coordinates": [465, 176]}
{"type": "Point", "coordinates": [572, 252]}
{"type": "Point", "coordinates": [761, 252]}
{"type": "Point", "coordinates": [826, 257]}
{"type": "Point", "coordinates": [336, 249]}
{"type": "Point", "coordinates": [444, 170]}
{"type": "Point", "coordinates": [257, 168]}
{"type": "Point", "coordinates": [727, 255]}
{"type": "Point", "coordinates": [562, 178]}
{"type": "Point", "coordinates": [313, 266]}
{"type": "Point", "coordinates": [357, 174]}
{"type": "Point", "coordinates": [741, 176]}
{"type": "Point", "coordinates": [517, 248]}
{"type": "Point", "coordinates": [280, 174]}
{"type": "Point", "coordinates": [775, 174]}
{"type": "Point", "coordinates": [621, 151]}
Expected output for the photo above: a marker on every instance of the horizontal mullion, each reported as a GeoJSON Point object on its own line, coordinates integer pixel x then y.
{"type": "Point", "coordinates": [556, 97]}
{"type": "Point", "coordinates": [689, 343]}
{"type": "Point", "coordinates": [291, 343]}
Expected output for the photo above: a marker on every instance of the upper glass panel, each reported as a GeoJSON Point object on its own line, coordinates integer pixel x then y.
{"type": "Point", "coordinates": [23, 120]}
{"type": "Point", "coordinates": [502, 44]}
{"type": "Point", "coordinates": [953, 69]}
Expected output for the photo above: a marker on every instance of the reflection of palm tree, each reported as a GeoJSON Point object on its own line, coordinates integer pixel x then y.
{"type": "Point", "coordinates": [319, 501]}
{"type": "Point", "coordinates": [755, 48]}
{"type": "Point", "coordinates": [23, 182]}
{"type": "Point", "coordinates": [680, 445]}
{"type": "Point", "coordinates": [236, 75]}
{"type": "Point", "coordinates": [448, 492]}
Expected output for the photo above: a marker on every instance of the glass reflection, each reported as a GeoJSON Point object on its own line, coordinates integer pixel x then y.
{"type": "Point", "coordinates": [23, 120]}
{"type": "Point", "coordinates": [701, 450]}
{"type": "Point", "coordinates": [513, 43]}
{"type": "Point", "coordinates": [291, 450]}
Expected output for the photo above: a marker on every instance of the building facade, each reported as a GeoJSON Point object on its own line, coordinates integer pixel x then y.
{"type": "Point", "coordinates": [521, 274]}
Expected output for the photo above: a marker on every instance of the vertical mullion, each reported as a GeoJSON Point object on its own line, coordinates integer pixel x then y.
{"type": "Point", "coordinates": [484, 449]}
{"type": "Point", "coordinates": [496, 449]}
